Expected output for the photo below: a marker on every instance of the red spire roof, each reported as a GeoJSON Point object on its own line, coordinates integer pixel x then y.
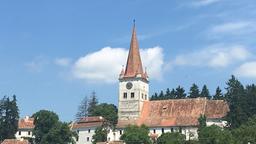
{"type": "Point", "coordinates": [134, 64]}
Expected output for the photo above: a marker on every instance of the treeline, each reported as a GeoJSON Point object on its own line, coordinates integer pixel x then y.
{"type": "Point", "coordinates": [91, 107]}
{"type": "Point", "coordinates": [194, 92]}
{"type": "Point", "coordinates": [9, 117]}
{"type": "Point", "coordinates": [241, 99]}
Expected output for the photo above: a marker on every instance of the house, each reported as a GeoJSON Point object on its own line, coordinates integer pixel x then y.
{"type": "Point", "coordinates": [25, 128]}
{"type": "Point", "coordinates": [85, 128]}
{"type": "Point", "coordinates": [176, 115]}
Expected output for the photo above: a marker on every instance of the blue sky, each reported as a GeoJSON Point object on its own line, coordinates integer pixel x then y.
{"type": "Point", "coordinates": [53, 53]}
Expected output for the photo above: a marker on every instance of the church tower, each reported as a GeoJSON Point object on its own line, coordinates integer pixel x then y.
{"type": "Point", "coordinates": [133, 83]}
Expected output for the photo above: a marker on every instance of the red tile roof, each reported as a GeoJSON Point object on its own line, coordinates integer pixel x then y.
{"type": "Point", "coordinates": [26, 123]}
{"type": "Point", "coordinates": [134, 64]}
{"type": "Point", "coordinates": [14, 141]}
{"type": "Point", "coordinates": [85, 122]}
{"type": "Point", "coordinates": [178, 112]}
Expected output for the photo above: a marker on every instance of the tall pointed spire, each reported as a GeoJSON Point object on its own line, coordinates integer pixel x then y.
{"type": "Point", "coordinates": [134, 64]}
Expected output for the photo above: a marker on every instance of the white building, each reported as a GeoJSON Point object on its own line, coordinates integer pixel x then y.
{"type": "Point", "coordinates": [85, 128]}
{"type": "Point", "coordinates": [177, 115]}
{"type": "Point", "coordinates": [25, 128]}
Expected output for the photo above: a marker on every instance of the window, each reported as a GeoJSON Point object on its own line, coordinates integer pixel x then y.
{"type": "Point", "coordinates": [77, 138]}
{"type": "Point", "coordinates": [162, 130]}
{"type": "Point", "coordinates": [89, 130]}
{"type": "Point", "coordinates": [121, 132]}
{"type": "Point", "coordinates": [154, 131]}
{"type": "Point", "coordinates": [145, 97]}
{"type": "Point", "coordinates": [28, 132]}
{"type": "Point", "coordinates": [77, 131]}
{"type": "Point", "coordinates": [142, 96]}
{"type": "Point", "coordinates": [88, 139]}
{"type": "Point", "coordinates": [171, 129]}
{"type": "Point", "coordinates": [19, 132]}
{"type": "Point", "coordinates": [125, 95]}
{"type": "Point", "coordinates": [132, 95]}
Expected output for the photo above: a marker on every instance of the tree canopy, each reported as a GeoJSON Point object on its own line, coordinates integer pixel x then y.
{"type": "Point", "coordinates": [215, 135]}
{"type": "Point", "coordinates": [9, 117]}
{"type": "Point", "coordinates": [171, 138]}
{"type": "Point", "coordinates": [100, 135]}
{"type": "Point", "coordinates": [82, 109]}
{"type": "Point", "coordinates": [136, 135]}
{"type": "Point", "coordinates": [218, 94]}
{"type": "Point", "coordinates": [246, 133]}
{"type": "Point", "coordinates": [108, 111]}
{"type": "Point", "coordinates": [194, 91]}
{"type": "Point", "coordinates": [239, 102]}
{"type": "Point", "coordinates": [48, 129]}
{"type": "Point", "coordinates": [205, 92]}
{"type": "Point", "coordinates": [92, 103]}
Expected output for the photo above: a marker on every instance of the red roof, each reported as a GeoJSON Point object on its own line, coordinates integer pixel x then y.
{"type": "Point", "coordinates": [26, 123]}
{"type": "Point", "coordinates": [134, 64]}
{"type": "Point", "coordinates": [85, 122]}
{"type": "Point", "coordinates": [178, 112]}
{"type": "Point", "coordinates": [14, 141]}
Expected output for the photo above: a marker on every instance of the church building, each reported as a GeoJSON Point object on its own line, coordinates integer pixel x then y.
{"type": "Point", "coordinates": [175, 115]}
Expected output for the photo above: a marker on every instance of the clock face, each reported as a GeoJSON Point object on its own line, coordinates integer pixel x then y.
{"type": "Point", "coordinates": [129, 85]}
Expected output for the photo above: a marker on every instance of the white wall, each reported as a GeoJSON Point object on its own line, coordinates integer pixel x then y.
{"type": "Point", "coordinates": [189, 132]}
{"type": "Point", "coordinates": [85, 135]}
{"type": "Point", "coordinates": [115, 135]}
{"type": "Point", "coordinates": [217, 122]}
{"type": "Point", "coordinates": [23, 133]}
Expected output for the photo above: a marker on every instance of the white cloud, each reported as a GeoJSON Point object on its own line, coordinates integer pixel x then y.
{"type": "Point", "coordinates": [247, 69]}
{"type": "Point", "coordinates": [199, 3]}
{"type": "Point", "coordinates": [105, 65]}
{"type": "Point", "coordinates": [215, 56]}
{"type": "Point", "coordinates": [63, 61]}
{"type": "Point", "coordinates": [239, 27]}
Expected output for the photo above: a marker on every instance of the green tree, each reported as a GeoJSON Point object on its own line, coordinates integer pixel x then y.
{"type": "Point", "coordinates": [180, 93]}
{"type": "Point", "coordinates": [167, 94]}
{"type": "Point", "coordinates": [154, 97]}
{"type": "Point", "coordinates": [205, 92]}
{"type": "Point", "coordinates": [136, 135]}
{"type": "Point", "coordinates": [238, 103]}
{"type": "Point", "coordinates": [82, 109]}
{"type": "Point", "coordinates": [171, 138]}
{"type": "Point", "coordinates": [92, 103]}
{"type": "Point", "coordinates": [9, 117]}
{"type": "Point", "coordinates": [49, 130]}
{"type": "Point", "coordinates": [246, 133]}
{"type": "Point", "coordinates": [44, 121]}
{"type": "Point", "coordinates": [108, 111]}
{"type": "Point", "coordinates": [161, 95]}
{"type": "Point", "coordinates": [218, 94]}
{"type": "Point", "coordinates": [100, 135]}
{"type": "Point", "coordinates": [194, 91]}
{"type": "Point", "coordinates": [173, 94]}
{"type": "Point", "coordinates": [59, 134]}
{"type": "Point", "coordinates": [215, 135]}
{"type": "Point", "coordinates": [202, 121]}
{"type": "Point", "coordinates": [250, 105]}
